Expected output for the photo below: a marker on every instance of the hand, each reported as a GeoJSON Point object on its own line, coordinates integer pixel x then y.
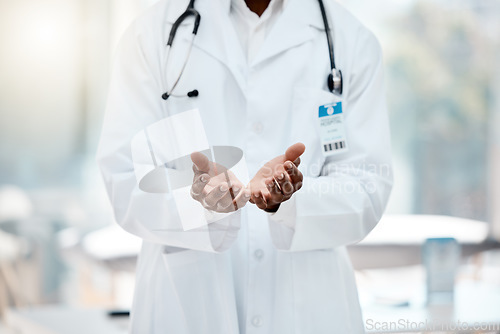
{"type": "Point", "coordinates": [216, 187]}
{"type": "Point", "coordinates": [277, 180]}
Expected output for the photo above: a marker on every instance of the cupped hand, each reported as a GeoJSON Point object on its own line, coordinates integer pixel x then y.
{"type": "Point", "coordinates": [277, 180]}
{"type": "Point", "coordinates": [216, 187]}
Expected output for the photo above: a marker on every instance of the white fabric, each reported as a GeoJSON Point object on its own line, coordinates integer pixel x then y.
{"type": "Point", "coordinates": [251, 273]}
{"type": "Point", "coordinates": [164, 141]}
{"type": "Point", "coordinates": [171, 141]}
{"type": "Point", "coordinates": [252, 29]}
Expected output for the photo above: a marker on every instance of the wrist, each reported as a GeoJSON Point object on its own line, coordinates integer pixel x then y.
{"type": "Point", "coordinates": [273, 208]}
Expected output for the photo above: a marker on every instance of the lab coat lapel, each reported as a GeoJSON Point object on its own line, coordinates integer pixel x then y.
{"type": "Point", "coordinates": [291, 29]}
{"type": "Point", "coordinates": [218, 38]}
{"type": "Point", "coordinates": [216, 35]}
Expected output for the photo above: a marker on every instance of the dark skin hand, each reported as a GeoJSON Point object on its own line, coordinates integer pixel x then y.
{"type": "Point", "coordinates": [257, 6]}
{"type": "Point", "coordinates": [277, 180]}
{"type": "Point", "coordinates": [218, 189]}
{"type": "Point", "coordinates": [215, 187]}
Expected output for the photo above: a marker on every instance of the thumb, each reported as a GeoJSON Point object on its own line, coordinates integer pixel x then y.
{"type": "Point", "coordinates": [201, 162]}
{"type": "Point", "coordinates": [294, 152]}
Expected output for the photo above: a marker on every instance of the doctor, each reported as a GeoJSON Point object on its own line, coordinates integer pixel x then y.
{"type": "Point", "coordinates": [277, 265]}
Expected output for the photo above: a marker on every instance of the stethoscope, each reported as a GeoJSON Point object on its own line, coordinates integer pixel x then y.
{"type": "Point", "coordinates": [335, 82]}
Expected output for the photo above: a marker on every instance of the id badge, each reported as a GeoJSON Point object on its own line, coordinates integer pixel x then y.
{"type": "Point", "coordinates": [332, 129]}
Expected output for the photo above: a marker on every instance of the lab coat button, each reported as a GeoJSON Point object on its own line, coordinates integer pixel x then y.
{"type": "Point", "coordinates": [257, 321]}
{"type": "Point", "coordinates": [259, 254]}
{"type": "Point", "coordinates": [258, 127]}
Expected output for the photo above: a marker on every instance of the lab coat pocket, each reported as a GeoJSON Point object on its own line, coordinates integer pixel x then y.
{"type": "Point", "coordinates": [202, 291]}
{"type": "Point", "coordinates": [305, 126]}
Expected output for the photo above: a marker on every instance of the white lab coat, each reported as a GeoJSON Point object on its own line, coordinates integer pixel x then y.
{"type": "Point", "coordinates": [252, 272]}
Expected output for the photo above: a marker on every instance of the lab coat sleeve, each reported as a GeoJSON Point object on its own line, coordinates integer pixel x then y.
{"type": "Point", "coordinates": [343, 204]}
{"type": "Point", "coordinates": [134, 102]}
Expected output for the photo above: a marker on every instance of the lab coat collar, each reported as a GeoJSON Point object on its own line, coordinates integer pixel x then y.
{"type": "Point", "coordinates": [273, 3]}
{"type": "Point", "coordinates": [291, 29]}
{"type": "Point", "coordinates": [217, 37]}
{"type": "Point", "coordinates": [305, 11]}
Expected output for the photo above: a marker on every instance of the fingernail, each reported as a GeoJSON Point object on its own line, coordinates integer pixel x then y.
{"type": "Point", "coordinates": [289, 165]}
{"type": "Point", "coordinates": [281, 176]}
{"type": "Point", "coordinates": [203, 179]}
{"type": "Point", "coordinates": [257, 195]}
{"type": "Point", "coordinates": [223, 188]}
{"type": "Point", "coordinates": [247, 195]}
{"type": "Point", "coordinates": [236, 189]}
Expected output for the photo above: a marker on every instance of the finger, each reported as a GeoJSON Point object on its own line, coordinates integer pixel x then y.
{"type": "Point", "coordinates": [296, 176]}
{"type": "Point", "coordinates": [199, 184]}
{"type": "Point", "coordinates": [258, 200]}
{"type": "Point", "coordinates": [295, 151]}
{"type": "Point", "coordinates": [242, 199]}
{"type": "Point", "coordinates": [215, 195]}
{"type": "Point", "coordinates": [272, 186]}
{"type": "Point", "coordinates": [234, 184]}
{"type": "Point", "coordinates": [226, 203]}
{"type": "Point", "coordinates": [275, 194]}
{"type": "Point", "coordinates": [235, 190]}
{"type": "Point", "coordinates": [285, 184]}
{"type": "Point", "coordinates": [201, 163]}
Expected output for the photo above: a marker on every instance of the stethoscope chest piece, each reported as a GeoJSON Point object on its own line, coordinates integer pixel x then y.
{"type": "Point", "coordinates": [335, 81]}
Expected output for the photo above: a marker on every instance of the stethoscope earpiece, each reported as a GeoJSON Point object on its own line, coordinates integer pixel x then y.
{"type": "Point", "coordinates": [190, 11]}
{"type": "Point", "coordinates": [193, 93]}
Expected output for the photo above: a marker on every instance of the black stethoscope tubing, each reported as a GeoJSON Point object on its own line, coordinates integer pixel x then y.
{"type": "Point", "coordinates": [335, 80]}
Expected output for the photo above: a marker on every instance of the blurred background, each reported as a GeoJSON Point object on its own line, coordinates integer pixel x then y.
{"type": "Point", "coordinates": [442, 63]}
